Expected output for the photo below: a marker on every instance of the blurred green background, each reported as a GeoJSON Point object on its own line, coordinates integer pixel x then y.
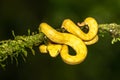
{"type": "Point", "coordinates": [102, 62]}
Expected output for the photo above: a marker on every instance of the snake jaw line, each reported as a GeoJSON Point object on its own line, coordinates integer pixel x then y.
{"type": "Point", "coordinates": [54, 49]}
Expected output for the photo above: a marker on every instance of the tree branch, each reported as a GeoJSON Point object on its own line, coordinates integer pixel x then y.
{"type": "Point", "coordinates": [113, 29]}
{"type": "Point", "coordinates": [13, 48]}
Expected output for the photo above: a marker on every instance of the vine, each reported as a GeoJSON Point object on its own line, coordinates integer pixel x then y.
{"type": "Point", "coordinates": [17, 46]}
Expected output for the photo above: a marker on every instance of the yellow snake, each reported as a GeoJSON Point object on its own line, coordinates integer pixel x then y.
{"type": "Point", "coordinates": [76, 38]}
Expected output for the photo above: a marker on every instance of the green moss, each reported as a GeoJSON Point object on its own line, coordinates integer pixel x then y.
{"type": "Point", "coordinates": [14, 47]}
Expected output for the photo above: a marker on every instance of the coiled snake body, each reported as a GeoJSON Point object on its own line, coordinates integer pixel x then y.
{"type": "Point", "coordinates": [76, 38]}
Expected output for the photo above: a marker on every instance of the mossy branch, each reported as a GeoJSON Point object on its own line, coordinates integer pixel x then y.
{"type": "Point", "coordinates": [13, 48]}
{"type": "Point", "coordinates": [113, 29]}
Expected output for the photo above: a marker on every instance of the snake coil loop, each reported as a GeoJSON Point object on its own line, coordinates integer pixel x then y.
{"type": "Point", "coordinates": [76, 39]}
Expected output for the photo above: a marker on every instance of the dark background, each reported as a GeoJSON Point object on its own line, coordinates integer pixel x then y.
{"type": "Point", "coordinates": [102, 62]}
